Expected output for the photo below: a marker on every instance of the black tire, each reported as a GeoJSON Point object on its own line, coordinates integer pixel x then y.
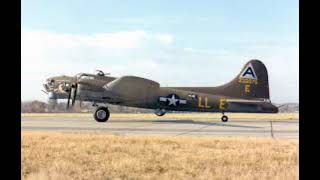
{"type": "Point", "coordinates": [224, 118]}
{"type": "Point", "coordinates": [160, 112]}
{"type": "Point", "coordinates": [101, 114]}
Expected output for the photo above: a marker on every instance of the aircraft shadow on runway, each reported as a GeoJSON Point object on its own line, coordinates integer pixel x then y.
{"type": "Point", "coordinates": [191, 122]}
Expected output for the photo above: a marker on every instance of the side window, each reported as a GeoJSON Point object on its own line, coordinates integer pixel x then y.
{"type": "Point", "coordinates": [193, 96]}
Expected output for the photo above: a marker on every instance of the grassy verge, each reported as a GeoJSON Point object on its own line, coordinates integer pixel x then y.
{"type": "Point", "coordinates": [101, 156]}
{"type": "Point", "coordinates": [194, 116]}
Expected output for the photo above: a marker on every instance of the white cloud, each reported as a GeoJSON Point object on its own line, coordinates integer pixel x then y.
{"type": "Point", "coordinates": [165, 38]}
{"type": "Point", "coordinates": [44, 54]}
{"type": "Point", "coordinates": [140, 53]}
{"type": "Point", "coordinates": [118, 40]}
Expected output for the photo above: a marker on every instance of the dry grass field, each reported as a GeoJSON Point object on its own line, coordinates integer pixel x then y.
{"type": "Point", "coordinates": [193, 116]}
{"type": "Point", "coordinates": [101, 156]}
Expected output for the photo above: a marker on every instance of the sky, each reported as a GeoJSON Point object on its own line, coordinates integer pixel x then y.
{"type": "Point", "coordinates": [176, 43]}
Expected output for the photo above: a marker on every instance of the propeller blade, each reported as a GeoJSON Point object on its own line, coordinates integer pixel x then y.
{"type": "Point", "coordinates": [68, 103]}
{"type": "Point", "coordinates": [74, 95]}
{"type": "Point", "coordinates": [52, 104]}
{"type": "Point", "coordinates": [44, 91]}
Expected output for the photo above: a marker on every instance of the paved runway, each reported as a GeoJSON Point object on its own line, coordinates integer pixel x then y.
{"type": "Point", "coordinates": [174, 127]}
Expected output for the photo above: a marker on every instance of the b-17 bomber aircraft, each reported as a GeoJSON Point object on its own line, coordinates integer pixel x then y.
{"type": "Point", "coordinates": [248, 92]}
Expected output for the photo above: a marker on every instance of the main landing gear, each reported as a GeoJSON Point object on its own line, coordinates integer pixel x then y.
{"type": "Point", "coordinates": [224, 118]}
{"type": "Point", "coordinates": [101, 114]}
{"type": "Point", "coordinates": [160, 112]}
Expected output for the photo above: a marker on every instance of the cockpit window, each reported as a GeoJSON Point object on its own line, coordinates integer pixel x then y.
{"type": "Point", "coordinates": [86, 77]}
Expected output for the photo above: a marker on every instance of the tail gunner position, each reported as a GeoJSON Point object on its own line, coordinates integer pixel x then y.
{"type": "Point", "coordinates": [248, 92]}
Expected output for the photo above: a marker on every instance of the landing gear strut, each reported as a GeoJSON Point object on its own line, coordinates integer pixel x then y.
{"type": "Point", "coordinates": [224, 118]}
{"type": "Point", "coordinates": [101, 114]}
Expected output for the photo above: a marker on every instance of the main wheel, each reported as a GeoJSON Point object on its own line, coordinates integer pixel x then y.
{"type": "Point", "coordinates": [224, 118]}
{"type": "Point", "coordinates": [101, 114]}
{"type": "Point", "coordinates": [160, 112]}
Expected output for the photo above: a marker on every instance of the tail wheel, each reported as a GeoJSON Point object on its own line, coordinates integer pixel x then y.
{"type": "Point", "coordinates": [101, 114]}
{"type": "Point", "coordinates": [224, 118]}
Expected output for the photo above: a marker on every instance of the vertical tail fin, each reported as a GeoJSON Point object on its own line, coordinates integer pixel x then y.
{"type": "Point", "coordinates": [251, 82]}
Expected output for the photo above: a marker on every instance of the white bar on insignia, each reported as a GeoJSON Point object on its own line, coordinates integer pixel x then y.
{"type": "Point", "coordinates": [162, 98]}
{"type": "Point", "coordinates": [183, 101]}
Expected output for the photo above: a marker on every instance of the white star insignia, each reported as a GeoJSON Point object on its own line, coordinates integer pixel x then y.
{"type": "Point", "coordinates": [173, 101]}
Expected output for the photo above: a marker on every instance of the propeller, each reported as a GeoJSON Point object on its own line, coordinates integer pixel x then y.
{"type": "Point", "coordinates": [44, 91]}
{"type": "Point", "coordinates": [69, 96]}
{"type": "Point", "coordinates": [72, 94]}
{"type": "Point", "coordinates": [52, 104]}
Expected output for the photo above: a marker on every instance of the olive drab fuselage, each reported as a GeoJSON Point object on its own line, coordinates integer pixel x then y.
{"type": "Point", "coordinates": [248, 92]}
